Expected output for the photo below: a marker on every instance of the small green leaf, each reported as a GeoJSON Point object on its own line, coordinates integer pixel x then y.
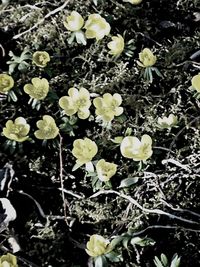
{"type": "Point", "coordinates": [52, 96]}
{"type": "Point", "coordinates": [158, 72]}
{"type": "Point", "coordinates": [91, 174]}
{"type": "Point", "coordinates": [12, 96]}
{"type": "Point", "coordinates": [128, 131]}
{"type": "Point", "coordinates": [122, 118]}
{"type": "Point", "coordinates": [128, 182]}
{"type": "Point", "coordinates": [117, 139]}
{"type": "Point", "coordinates": [114, 257]}
{"type": "Point", "coordinates": [76, 167]}
{"type": "Point", "coordinates": [70, 40]}
{"type": "Point", "coordinates": [116, 241]}
{"type": "Point", "coordinates": [150, 74]}
{"type": "Point", "coordinates": [94, 180]}
{"type": "Point", "coordinates": [175, 261]}
{"type": "Point", "coordinates": [12, 67]}
{"type": "Point", "coordinates": [23, 66]}
{"type": "Point", "coordinates": [89, 167]}
{"type": "Point", "coordinates": [157, 262]}
{"type": "Point", "coordinates": [80, 37]}
{"type": "Point", "coordinates": [95, 2]}
{"type": "Point", "coordinates": [125, 242]}
{"type": "Point", "coordinates": [164, 260]}
{"type": "Point", "coordinates": [142, 241]}
{"type": "Point", "coordinates": [100, 261]}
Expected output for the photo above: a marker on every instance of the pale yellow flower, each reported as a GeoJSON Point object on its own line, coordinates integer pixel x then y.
{"type": "Point", "coordinates": [78, 102]}
{"type": "Point", "coordinates": [134, 2]}
{"type": "Point", "coordinates": [41, 58]}
{"type": "Point", "coordinates": [38, 89]}
{"type": "Point", "coordinates": [74, 22]}
{"type": "Point", "coordinates": [97, 246]}
{"type": "Point", "coordinates": [105, 170]}
{"type": "Point", "coordinates": [96, 27]}
{"type": "Point", "coordinates": [167, 122]}
{"type": "Point", "coordinates": [116, 46]}
{"type": "Point", "coordinates": [84, 150]}
{"type": "Point", "coordinates": [17, 130]}
{"type": "Point", "coordinates": [132, 148]}
{"type": "Point", "coordinates": [6, 83]}
{"type": "Point", "coordinates": [47, 128]}
{"type": "Point", "coordinates": [108, 106]}
{"type": "Point", "coordinates": [147, 58]}
{"type": "Point", "coordinates": [196, 82]}
{"type": "Point", "coordinates": [8, 260]}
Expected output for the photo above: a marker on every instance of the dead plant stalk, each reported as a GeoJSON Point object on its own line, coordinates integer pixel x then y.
{"type": "Point", "coordinates": [61, 179]}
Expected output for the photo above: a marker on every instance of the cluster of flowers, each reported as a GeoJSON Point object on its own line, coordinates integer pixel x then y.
{"type": "Point", "coordinates": [84, 150]}
{"type": "Point", "coordinates": [78, 102]}
{"type": "Point", "coordinates": [39, 88]}
{"type": "Point", "coordinates": [95, 27]}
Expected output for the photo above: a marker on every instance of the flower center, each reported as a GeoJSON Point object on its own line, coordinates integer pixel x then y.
{"type": "Point", "coordinates": [42, 59]}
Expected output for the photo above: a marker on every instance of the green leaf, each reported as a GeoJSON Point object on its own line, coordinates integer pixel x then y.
{"type": "Point", "coordinates": [91, 174]}
{"type": "Point", "coordinates": [89, 167]}
{"type": "Point", "coordinates": [100, 261]}
{"type": "Point", "coordinates": [96, 183]}
{"type": "Point", "coordinates": [114, 257]}
{"type": "Point", "coordinates": [70, 40]}
{"type": "Point", "coordinates": [136, 240]}
{"type": "Point", "coordinates": [125, 242]}
{"type": "Point", "coordinates": [142, 241]}
{"type": "Point", "coordinates": [122, 118]}
{"type": "Point", "coordinates": [150, 75]}
{"type": "Point", "coordinates": [80, 37]}
{"type": "Point", "coordinates": [12, 95]}
{"type": "Point", "coordinates": [12, 67]}
{"type": "Point", "coordinates": [158, 72]}
{"type": "Point", "coordinates": [128, 131]}
{"type": "Point", "coordinates": [95, 179]}
{"type": "Point", "coordinates": [23, 66]}
{"type": "Point", "coordinates": [146, 73]}
{"type": "Point", "coordinates": [164, 260]}
{"type": "Point", "coordinates": [117, 139]}
{"type": "Point", "coordinates": [157, 262]}
{"type": "Point", "coordinates": [128, 182]}
{"type": "Point", "coordinates": [175, 261]}
{"type": "Point", "coordinates": [76, 167]}
{"type": "Point", "coordinates": [95, 2]}
{"type": "Point", "coordinates": [52, 96]}
{"type": "Point", "coordinates": [116, 241]}
{"type": "Point", "coordinates": [35, 104]}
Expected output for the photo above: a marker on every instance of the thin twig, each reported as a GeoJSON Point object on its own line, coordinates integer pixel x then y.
{"type": "Point", "coordinates": [3, 50]}
{"type": "Point", "coordinates": [180, 210]}
{"type": "Point", "coordinates": [149, 38]}
{"type": "Point", "coordinates": [43, 19]}
{"type": "Point", "coordinates": [163, 227]}
{"type": "Point", "coordinates": [31, 6]}
{"type": "Point", "coordinates": [176, 163]}
{"type": "Point", "coordinates": [163, 148]}
{"type": "Point", "coordinates": [36, 203]}
{"type": "Point", "coordinates": [61, 180]}
{"type": "Point", "coordinates": [71, 193]}
{"type": "Point", "coordinates": [150, 211]}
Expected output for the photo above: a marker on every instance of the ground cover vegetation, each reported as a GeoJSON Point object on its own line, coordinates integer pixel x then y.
{"type": "Point", "coordinates": [100, 124]}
